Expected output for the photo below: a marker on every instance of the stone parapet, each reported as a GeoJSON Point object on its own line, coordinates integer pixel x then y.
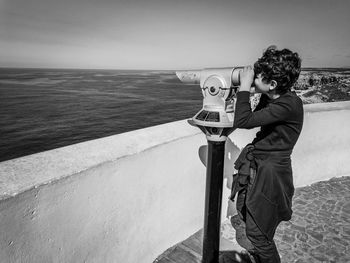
{"type": "Point", "coordinates": [128, 197]}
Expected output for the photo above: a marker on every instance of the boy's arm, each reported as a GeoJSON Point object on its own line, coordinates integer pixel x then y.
{"type": "Point", "coordinates": [245, 118]}
{"type": "Point", "coordinates": [262, 102]}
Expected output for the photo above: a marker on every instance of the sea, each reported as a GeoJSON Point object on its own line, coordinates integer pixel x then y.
{"type": "Point", "coordinates": [43, 109]}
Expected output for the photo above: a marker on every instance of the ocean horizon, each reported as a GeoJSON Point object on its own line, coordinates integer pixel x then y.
{"type": "Point", "coordinates": [43, 109]}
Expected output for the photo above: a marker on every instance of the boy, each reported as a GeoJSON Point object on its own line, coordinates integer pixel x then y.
{"type": "Point", "coordinates": [266, 199]}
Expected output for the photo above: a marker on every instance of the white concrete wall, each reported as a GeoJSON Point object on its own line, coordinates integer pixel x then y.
{"type": "Point", "coordinates": [128, 197]}
{"type": "Point", "coordinates": [323, 150]}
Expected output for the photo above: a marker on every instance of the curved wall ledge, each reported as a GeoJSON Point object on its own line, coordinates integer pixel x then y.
{"type": "Point", "coordinates": [31, 171]}
{"type": "Point", "coordinates": [128, 197]}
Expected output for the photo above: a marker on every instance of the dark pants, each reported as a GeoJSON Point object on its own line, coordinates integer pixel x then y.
{"type": "Point", "coordinates": [265, 250]}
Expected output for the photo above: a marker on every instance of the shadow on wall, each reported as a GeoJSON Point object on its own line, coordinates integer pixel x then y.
{"type": "Point", "coordinates": [231, 154]}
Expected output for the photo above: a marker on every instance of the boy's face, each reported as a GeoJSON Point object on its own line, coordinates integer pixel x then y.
{"type": "Point", "coordinates": [262, 86]}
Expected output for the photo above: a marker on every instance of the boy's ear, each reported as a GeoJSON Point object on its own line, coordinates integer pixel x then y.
{"type": "Point", "coordinates": [273, 85]}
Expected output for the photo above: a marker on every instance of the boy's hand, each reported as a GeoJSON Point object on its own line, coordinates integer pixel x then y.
{"type": "Point", "coordinates": [246, 77]}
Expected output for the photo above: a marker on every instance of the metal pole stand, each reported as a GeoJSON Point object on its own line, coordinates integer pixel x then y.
{"type": "Point", "coordinates": [215, 119]}
{"type": "Point", "coordinates": [213, 197]}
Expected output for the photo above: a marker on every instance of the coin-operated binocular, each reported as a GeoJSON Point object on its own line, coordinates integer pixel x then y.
{"type": "Point", "coordinates": [219, 87]}
{"type": "Point", "coordinates": [215, 119]}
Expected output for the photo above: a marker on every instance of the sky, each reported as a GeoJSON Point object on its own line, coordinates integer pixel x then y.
{"type": "Point", "coordinates": [170, 34]}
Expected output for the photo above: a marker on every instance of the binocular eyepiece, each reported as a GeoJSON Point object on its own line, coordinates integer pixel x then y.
{"type": "Point", "coordinates": [219, 87]}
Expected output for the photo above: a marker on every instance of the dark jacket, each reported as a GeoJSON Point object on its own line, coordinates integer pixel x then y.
{"type": "Point", "coordinates": [269, 198]}
{"type": "Point", "coordinates": [281, 120]}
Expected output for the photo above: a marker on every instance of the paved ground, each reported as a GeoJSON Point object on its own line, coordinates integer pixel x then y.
{"type": "Point", "coordinates": [319, 230]}
{"type": "Point", "coordinates": [320, 227]}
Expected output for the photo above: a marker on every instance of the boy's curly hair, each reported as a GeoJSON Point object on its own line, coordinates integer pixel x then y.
{"type": "Point", "coordinates": [283, 66]}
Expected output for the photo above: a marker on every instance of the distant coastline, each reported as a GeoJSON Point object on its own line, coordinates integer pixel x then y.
{"type": "Point", "coordinates": [317, 85]}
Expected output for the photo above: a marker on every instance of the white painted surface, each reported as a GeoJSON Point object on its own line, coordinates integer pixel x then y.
{"type": "Point", "coordinates": [21, 174]}
{"type": "Point", "coordinates": [128, 197]}
{"type": "Point", "coordinates": [128, 210]}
